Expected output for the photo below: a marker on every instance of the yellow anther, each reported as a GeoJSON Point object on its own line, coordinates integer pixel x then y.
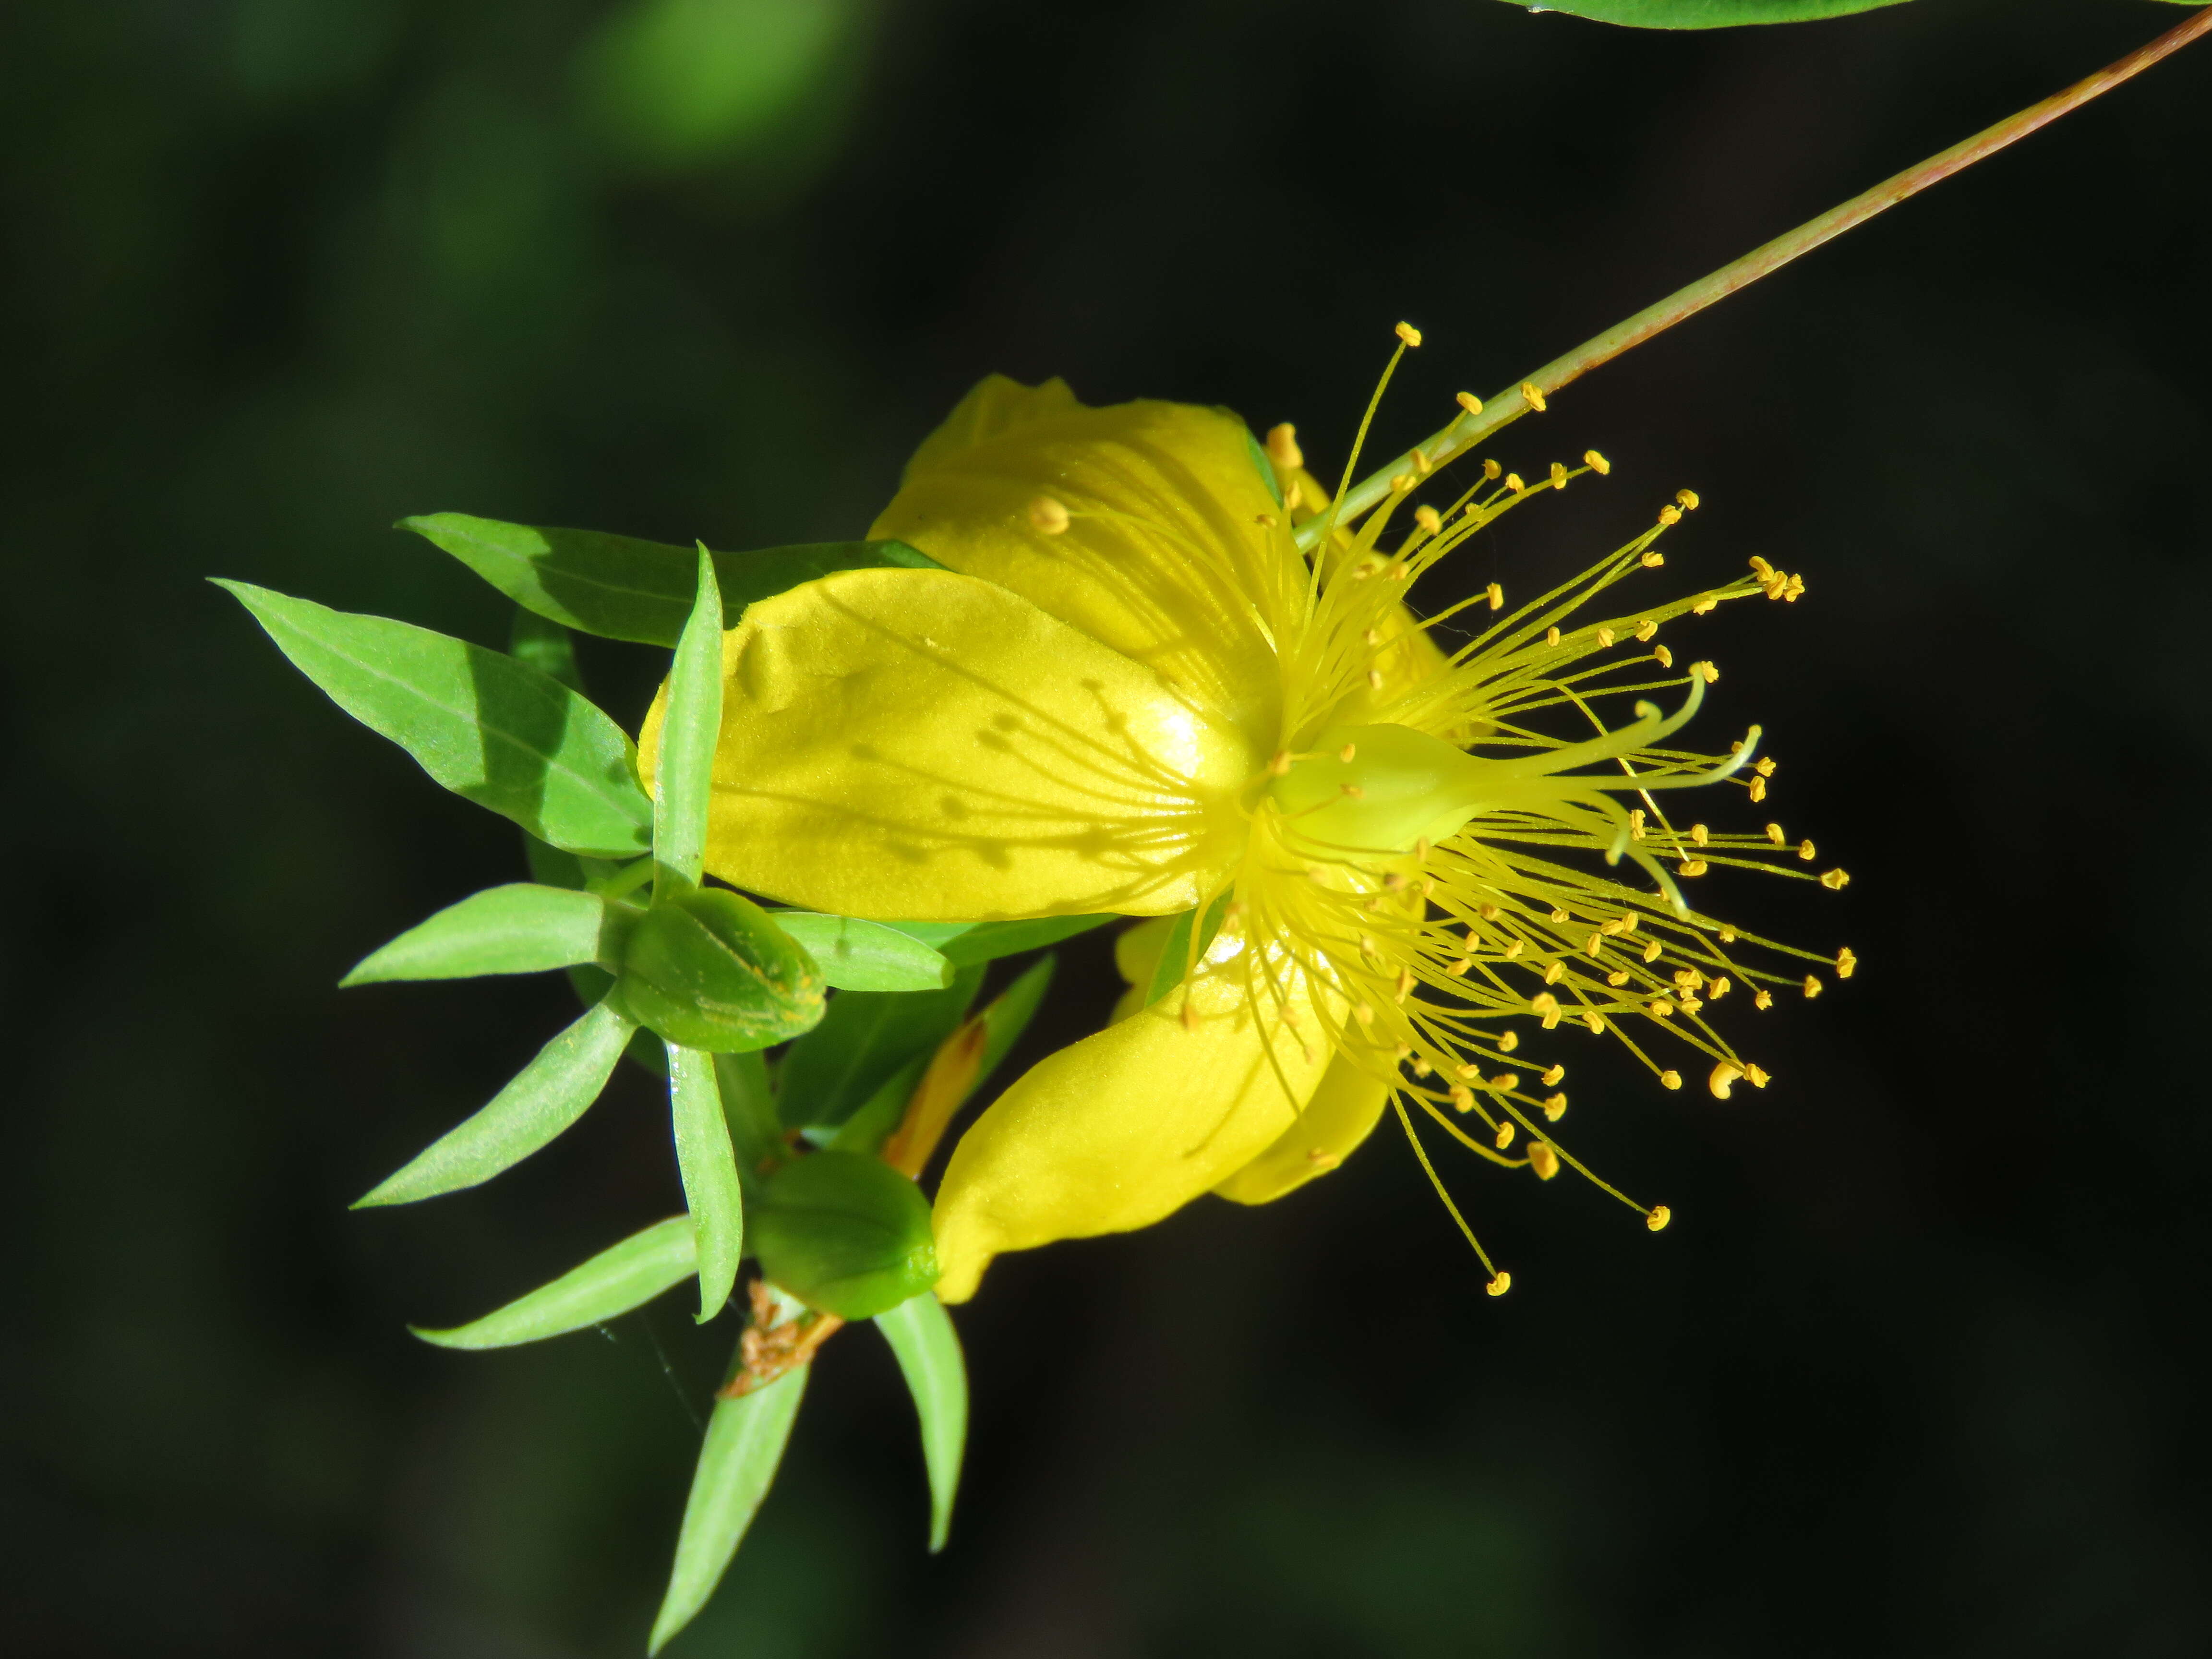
{"type": "Point", "coordinates": [1705, 607]}
{"type": "Point", "coordinates": [1352, 790]}
{"type": "Point", "coordinates": [1429, 518]}
{"type": "Point", "coordinates": [1670, 1079]}
{"type": "Point", "coordinates": [1760, 568]}
{"type": "Point", "coordinates": [1347, 755]}
{"type": "Point", "coordinates": [1727, 935]}
{"type": "Point", "coordinates": [1405, 984]}
{"type": "Point", "coordinates": [1552, 1074]}
{"type": "Point", "coordinates": [1400, 482]}
{"type": "Point", "coordinates": [1689, 1004]}
{"type": "Point", "coordinates": [1495, 595]}
{"type": "Point", "coordinates": [1457, 969]}
{"type": "Point", "coordinates": [1692, 866]}
{"type": "Point", "coordinates": [1757, 1076]}
{"type": "Point", "coordinates": [1506, 1082]}
{"type": "Point", "coordinates": [1422, 848]}
{"type": "Point", "coordinates": [1470, 402]}
{"type": "Point", "coordinates": [1513, 483]}
{"type": "Point", "coordinates": [1546, 1005]}
{"type": "Point", "coordinates": [1812, 986]}
{"type": "Point", "coordinates": [1189, 1015]}
{"type": "Point", "coordinates": [1487, 912]}
{"type": "Point", "coordinates": [1558, 913]}
{"type": "Point", "coordinates": [1763, 1000]}
{"type": "Point", "coordinates": [1764, 767]}
{"type": "Point", "coordinates": [1847, 962]}
{"type": "Point", "coordinates": [1375, 679]}
{"type": "Point", "coordinates": [1604, 638]}
{"type": "Point", "coordinates": [1595, 1023]}
{"type": "Point", "coordinates": [1617, 980]}
{"type": "Point", "coordinates": [1670, 515]}
{"type": "Point", "coordinates": [1400, 572]}
{"type": "Point", "coordinates": [1504, 1135]}
{"type": "Point", "coordinates": [1593, 944]}
{"type": "Point", "coordinates": [1266, 520]}
{"type": "Point", "coordinates": [1543, 1160]}
{"type": "Point", "coordinates": [1559, 475]}
{"type": "Point", "coordinates": [1409, 334]}
{"type": "Point", "coordinates": [1774, 834]}
{"type": "Point", "coordinates": [1468, 1071]}
{"type": "Point", "coordinates": [1725, 1078]}
{"type": "Point", "coordinates": [1364, 1013]}
{"type": "Point", "coordinates": [1617, 925]}
{"type": "Point", "coordinates": [1509, 1042]}
{"type": "Point", "coordinates": [1689, 978]}
{"type": "Point", "coordinates": [1500, 1283]}
{"type": "Point", "coordinates": [1662, 656]}
{"type": "Point", "coordinates": [1660, 1008]}
{"type": "Point", "coordinates": [1422, 464]}
{"type": "Point", "coordinates": [1653, 558]}
{"type": "Point", "coordinates": [1295, 496]}
{"type": "Point", "coordinates": [1835, 880]}
{"type": "Point", "coordinates": [1048, 515]}
{"type": "Point", "coordinates": [1806, 851]}
{"type": "Point", "coordinates": [1758, 788]}
{"type": "Point", "coordinates": [1534, 398]}
{"type": "Point", "coordinates": [1797, 586]}
{"type": "Point", "coordinates": [1688, 498]}
{"type": "Point", "coordinates": [1700, 834]}
{"type": "Point", "coordinates": [1657, 1217]}
{"type": "Point", "coordinates": [1516, 949]}
{"type": "Point", "coordinates": [1280, 766]}
{"type": "Point", "coordinates": [1555, 972]}
{"type": "Point", "coordinates": [1652, 952]}
{"type": "Point", "coordinates": [1283, 448]}
{"type": "Point", "coordinates": [1462, 1099]}
{"type": "Point", "coordinates": [1551, 636]}
{"type": "Point", "coordinates": [1778, 588]}
{"type": "Point", "coordinates": [1635, 833]}
{"type": "Point", "coordinates": [1597, 463]}
{"type": "Point", "coordinates": [1555, 1106]}
{"type": "Point", "coordinates": [1646, 629]}
{"type": "Point", "coordinates": [1720, 987]}
{"type": "Point", "coordinates": [1705, 671]}
{"type": "Point", "coordinates": [1490, 471]}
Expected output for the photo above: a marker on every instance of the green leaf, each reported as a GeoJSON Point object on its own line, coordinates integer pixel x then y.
{"type": "Point", "coordinates": [707, 968]}
{"type": "Point", "coordinates": [1711, 14]}
{"type": "Point", "coordinates": [932, 934]}
{"type": "Point", "coordinates": [629, 1275]}
{"type": "Point", "coordinates": [873, 1120]}
{"type": "Point", "coordinates": [520, 928]}
{"type": "Point", "coordinates": [710, 1168]}
{"type": "Point", "coordinates": [862, 1042]}
{"type": "Point", "coordinates": [746, 1439]}
{"type": "Point", "coordinates": [545, 1097]}
{"type": "Point", "coordinates": [1176, 954]}
{"type": "Point", "coordinates": [844, 1233]}
{"type": "Point", "coordinates": [921, 1336]}
{"type": "Point", "coordinates": [748, 1108]}
{"type": "Point", "coordinates": [623, 588]}
{"type": "Point", "coordinates": [488, 727]}
{"type": "Point", "coordinates": [1008, 1015]}
{"type": "Point", "coordinates": [546, 646]}
{"type": "Point", "coordinates": [684, 782]}
{"type": "Point", "coordinates": [988, 941]}
{"type": "Point", "coordinates": [865, 955]}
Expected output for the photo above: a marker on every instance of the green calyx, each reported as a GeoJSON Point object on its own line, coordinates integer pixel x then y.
{"type": "Point", "coordinates": [708, 970]}
{"type": "Point", "coordinates": [845, 1234]}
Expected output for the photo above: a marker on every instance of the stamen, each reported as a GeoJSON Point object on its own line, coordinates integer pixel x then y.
{"type": "Point", "coordinates": [1470, 402]}
{"type": "Point", "coordinates": [1283, 448]}
{"type": "Point", "coordinates": [1409, 334]}
{"type": "Point", "coordinates": [1597, 463]}
{"type": "Point", "coordinates": [1048, 515]}
{"type": "Point", "coordinates": [1657, 1217]}
{"type": "Point", "coordinates": [1534, 398]}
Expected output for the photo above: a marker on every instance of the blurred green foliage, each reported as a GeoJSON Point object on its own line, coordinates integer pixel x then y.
{"type": "Point", "coordinates": [1912, 1373]}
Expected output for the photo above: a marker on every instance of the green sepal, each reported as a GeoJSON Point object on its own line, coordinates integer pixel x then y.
{"type": "Point", "coordinates": [927, 1349]}
{"type": "Point", "coordinates": [845, 1234]}
{"type": "Point", "coordinates": [1712, 14]}
{"type": "Point", "coordinates": [744, 1442]}
{"type": "Point", "coordinates": [749, 1109]}
{"type": "Point", "coordinates": [1176, 955]}
{"type": "Point", "coordinates": [623, 588]}
{"type": "Point", "coordinates": [712, 1191]}
{"type": "Point", "coordinates": [545, 1097]}
{"type": "Point", "coordinates": [865, 955]}
{"type": "Point", "coordinates": [866, 1038]}
{"type": "Point", "coordinates": [988, 941]}
{"type": "Point", "coordinates": [519, 929]}
{"type": "Point", "coordinates": [491, 729]}
{"type": "Point", "coordinates": [1260, 463]}
{"type": "Point", "coordinates": [618, 1278]}
{"type": "Point", "coordinates": [683, 779]}
{"type": "Point", "coordinates": [708, 970]}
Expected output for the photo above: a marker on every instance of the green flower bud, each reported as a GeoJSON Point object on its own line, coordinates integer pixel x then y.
{"type": "Point", "coordinates": [708, 970]}
{"type": "Point", "coordinates": [844, 1233]}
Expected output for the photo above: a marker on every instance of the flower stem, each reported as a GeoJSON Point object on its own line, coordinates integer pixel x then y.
{"type": "Point", "coordinates": [1508, 406]}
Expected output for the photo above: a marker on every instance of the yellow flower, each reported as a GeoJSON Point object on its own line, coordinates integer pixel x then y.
{"type": "Point", "coordinates": [1130, 691]}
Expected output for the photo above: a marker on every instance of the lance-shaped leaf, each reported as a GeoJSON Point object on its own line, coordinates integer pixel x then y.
{"type": "Point", "coordinates": [988, 941]}
{"type": "Point", "coordinates": [623, 588]}
{"type": "Point", "coordinates": [520, 928]}
{"type": "Point", "coordinates": [1177, 954]}
{"type": "Point", "coordinates": [545, 1097]}
{"type": "Point", "coordinates": [710, 1168]}
{"type": "Point", "coordinates": [684, 781]}
{"type": "Point", "coordinates": [746, 1439]}
{"type": "Point", "coordinates": [1711, 14]}
{"type": "Point", "coordinates": [922, 1335]}
{"type": "Point", "coordinates": [865, 955]}
{"type": "Point", "coordinates": [625, 1276]}
{"type": "Point", "coordinates": [488, 727]}
{"type": "Point", "coordinates": [1003, 1021]}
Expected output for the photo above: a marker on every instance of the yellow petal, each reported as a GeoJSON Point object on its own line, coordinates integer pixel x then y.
{"type": "Point", "coordinates": [1174, 553]}
{"type": "Point", "coordinates": [1342, 1112]}
{"type": "Point", "coordinates": [925, 747]}
{"type": "Point", "coordinates": [1124, 1128]}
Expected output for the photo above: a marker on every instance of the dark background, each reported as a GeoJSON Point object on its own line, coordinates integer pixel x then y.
{"type": "Point", "coordinates": [1918, 1369]}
